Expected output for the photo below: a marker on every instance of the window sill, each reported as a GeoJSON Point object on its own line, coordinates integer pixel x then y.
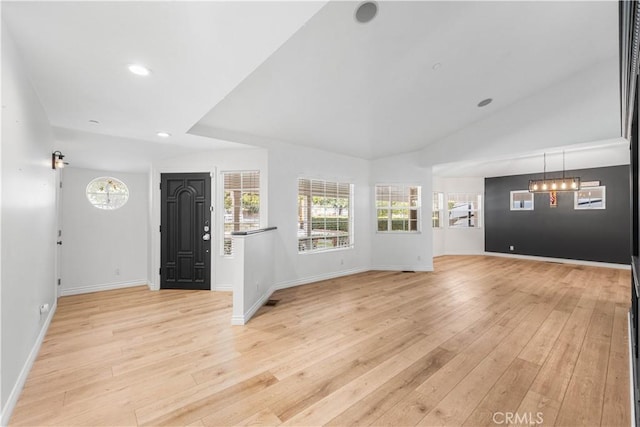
{"type": "Point", "coordinates": [399, 232]}
{"type": "Point", "coordinates": [324, 251]}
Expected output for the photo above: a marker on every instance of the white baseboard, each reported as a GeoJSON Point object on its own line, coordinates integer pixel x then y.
{"type": "Point", "coordinates": [402, 268]}
{"type": "Point", "coordinates": [561, 260]}
{"type": "Point", "coordinates": [467, 253]}
{"type": "Point", "coordinates": [318, 278]}
{"type": "Point", "coordinates": [226, 288]}
{"type": "Point", "coordinates": [242, 320]}
{"type": "Point", "coordinates": [238, 320]}
{"type": "Point", "coordinates": [5, 415]}
{"type": "Point", "coordinates": [102, 287]}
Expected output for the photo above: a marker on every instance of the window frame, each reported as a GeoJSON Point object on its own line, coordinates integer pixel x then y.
{"type": "Point", "coordinates": [511, 193]}
{"type": "Point", "coordinates": [437, 196]}
{"type": "Point", "coordinates": [223, 222]}
{"type": "Point", "coordinates": [103, 206]}
{"type": "Point", "coordinates": [577, 207]}
{"type": "Point", "coordinates": [303, 223]}
{"type": "Point", "coordinates": [406, 188]}
{"type": "Point", "coordinates": [478, 210]}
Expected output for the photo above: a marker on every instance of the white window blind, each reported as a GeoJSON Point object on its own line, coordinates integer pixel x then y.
{"type": "Point", "coordinates": [324, 215]}
{"type": "Point", "coordinates": [398, 208]}
{"type": "Point", "coordinates": [241, 204]}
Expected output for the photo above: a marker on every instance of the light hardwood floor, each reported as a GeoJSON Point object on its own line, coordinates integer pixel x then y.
{"type": "Point", "coordinates": [477, 339]}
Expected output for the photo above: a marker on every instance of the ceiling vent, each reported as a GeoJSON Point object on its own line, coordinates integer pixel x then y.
{"type": "Point", "coordinates": [366, 12]}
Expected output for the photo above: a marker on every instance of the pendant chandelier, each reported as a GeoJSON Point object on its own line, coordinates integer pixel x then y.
{"type": "Point", "coordinates": [546, 185]}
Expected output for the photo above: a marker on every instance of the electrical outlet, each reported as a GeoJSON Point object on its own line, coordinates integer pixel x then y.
{"type": "Point", "coordinates": [117, 271]}
{"type": "Point", "coordinates": [511, 248]}
{"type": "Point", "coordinates": [419, 258]}
{"type": "Point", "coordinates": [44, 308]}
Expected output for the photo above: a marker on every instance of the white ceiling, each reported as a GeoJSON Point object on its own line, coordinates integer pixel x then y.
{"type": "Point", "coordinates": [77, 53]}
{"type": "Point", "coordinates": [370, 90]}
{"type": "Point", "coordinates": [577, 156]}
{"type": "Point", "coordinates": [301, 72]}
{"type": "Point", "coordinates": [91, 150]}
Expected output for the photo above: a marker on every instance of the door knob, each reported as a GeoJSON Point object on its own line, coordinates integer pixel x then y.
{"type": "Point", "coordinates": [206, 237]}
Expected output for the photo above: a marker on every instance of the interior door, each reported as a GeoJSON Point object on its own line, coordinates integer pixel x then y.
{"type": "Point", "coordinates": [185, 228]}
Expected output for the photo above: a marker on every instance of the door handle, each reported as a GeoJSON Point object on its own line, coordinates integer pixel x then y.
{"type": "Point", "coordinates": [206, 237]}
{"type": "Point", "coordinates": [59, 242]}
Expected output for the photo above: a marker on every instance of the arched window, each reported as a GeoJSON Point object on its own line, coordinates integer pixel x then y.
{"type": "Point", "coordinates": [107, 193]}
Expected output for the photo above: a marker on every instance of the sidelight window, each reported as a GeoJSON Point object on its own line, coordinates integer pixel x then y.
{"type": "Point", "coordinates": [241, 204]}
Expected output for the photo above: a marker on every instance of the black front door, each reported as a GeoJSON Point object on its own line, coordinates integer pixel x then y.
{"type": "Point", "coordinates": [185, 228]}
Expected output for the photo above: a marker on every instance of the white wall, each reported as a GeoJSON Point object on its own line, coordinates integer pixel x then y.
{"type": "Point", "coordinates": [286, 165]}
{"type": "Point", "coordinates": [403, 251]}
{"type": "Point", "coordinates": [253, 275]}
{"type": "Point", "coordinates": [280, 167]}
{"type": "Point", "coordinates": [214, 162]}
{"type": "Point", "coordinates": [28, 225]}
{"type": "Point", "coordinates": [458, 241]}
{"type": "Point", "coordinates": [103, 249]}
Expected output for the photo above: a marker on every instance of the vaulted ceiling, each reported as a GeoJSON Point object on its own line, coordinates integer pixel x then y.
{"type": "Point", "coordinates": [77, 53]}
{"type": "Point", "coordinates": [307, 73]}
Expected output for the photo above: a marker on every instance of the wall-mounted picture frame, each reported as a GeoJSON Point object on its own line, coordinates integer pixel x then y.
{"type": "Point", "coordinates": [589, 184]}
{"type": "Point", "coordinates": [521, 200]}
{"type": "Point", "coordinates": [590, 198]}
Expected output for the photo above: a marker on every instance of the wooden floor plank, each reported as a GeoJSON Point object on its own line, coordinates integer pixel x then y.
{"type": "Point", "coordinates": [379, 401]}
{"type": "Point", "coordinates": [584, 398]}
{"type": "Point", "coordinates": [453, 347]}
{"type": "Point", "coordinates": [551, 383]}
{"type": "Point", "coordinates": [262, 418]}
{"type": "Point", "coordinates": [506, 395]}
{"type": "Point", "coordinates": [460, 402]}
{"type": "Point", "coordinates": [615, 408]}
{"type": "Point", "coordinates": [541, 344]}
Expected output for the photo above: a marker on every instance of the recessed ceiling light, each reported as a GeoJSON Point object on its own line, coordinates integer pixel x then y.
{"type": "Point", "coordinates": [485, 102]}
{"type": "Point", "coordinates": [163, 134]}
{"type": "Point", "coordinates": [139, 70]}
{"type": "Point", "coordinates": [95, 122]}
{"type": "Point", "coordinates": [366, 12]}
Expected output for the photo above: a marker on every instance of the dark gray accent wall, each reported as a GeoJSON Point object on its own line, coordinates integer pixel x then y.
{"type": "Point", "coordinates": [561, 232]}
